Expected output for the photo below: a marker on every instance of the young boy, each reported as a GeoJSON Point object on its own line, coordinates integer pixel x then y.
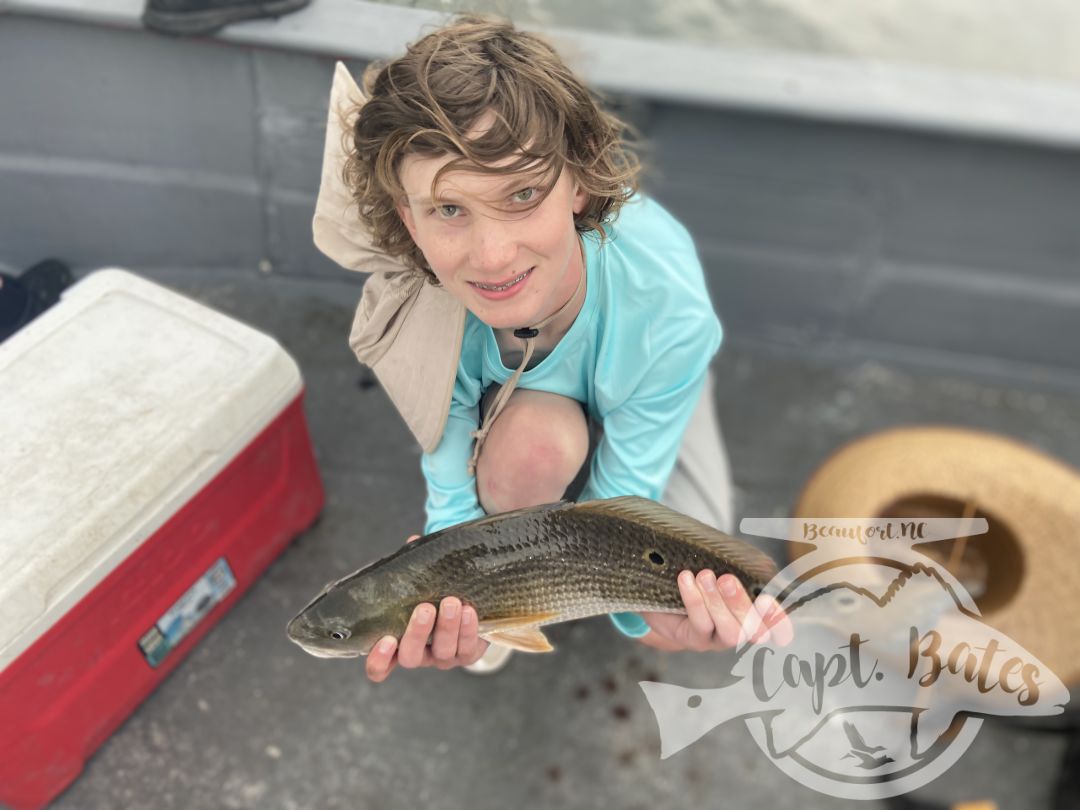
{"type": "Point", "coordinates": [544, 329]}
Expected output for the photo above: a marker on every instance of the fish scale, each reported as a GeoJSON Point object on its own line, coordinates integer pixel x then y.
{"type": "Point", "coordinates": [529, 568]}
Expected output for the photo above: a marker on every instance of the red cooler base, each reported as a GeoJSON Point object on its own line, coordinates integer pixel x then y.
{"type": "Point", "coordinates": [76, 684]}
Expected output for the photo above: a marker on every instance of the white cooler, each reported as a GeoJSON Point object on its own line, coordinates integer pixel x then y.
{"type": "Point", "coordinates": [154, 459]}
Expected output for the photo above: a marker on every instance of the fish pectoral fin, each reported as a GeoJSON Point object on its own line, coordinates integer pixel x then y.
{"type": "Point", "coordinates": [525, 639]}
{"type": "Point", "coordinates": [518, 633]}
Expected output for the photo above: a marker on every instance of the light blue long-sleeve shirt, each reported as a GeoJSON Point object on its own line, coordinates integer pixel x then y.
{"type": "Point", "coordinates": [636, 355]}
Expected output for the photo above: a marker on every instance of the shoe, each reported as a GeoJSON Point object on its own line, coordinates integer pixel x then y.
{"type": "Point", "coordinates": [14, 306]}
{"type": "Point", "coordinates": [25, 297]}
{"type": "Point", "coordinates": [200, 17]}
{"type": "Point", "coordinates": [491, 661]}
{"type": "Point", "coordinates": [45, 281]}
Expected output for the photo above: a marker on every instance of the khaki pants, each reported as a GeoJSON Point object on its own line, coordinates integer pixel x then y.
{"type": "Point", "coordinates": [700, 485]}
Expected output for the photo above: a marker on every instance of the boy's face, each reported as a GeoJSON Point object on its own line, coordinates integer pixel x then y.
{"type": "Point", "coordinates": [510, 266]}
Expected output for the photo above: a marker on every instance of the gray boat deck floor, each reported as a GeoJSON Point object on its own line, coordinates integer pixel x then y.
{"type": "Point", "coordinates": [250, 721]}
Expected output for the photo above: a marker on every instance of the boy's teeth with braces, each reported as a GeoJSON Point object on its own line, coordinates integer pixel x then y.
{"type": "Point", "coordinates": [505, 286]}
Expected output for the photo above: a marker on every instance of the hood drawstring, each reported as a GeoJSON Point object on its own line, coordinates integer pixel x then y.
{"type": "Point", "coordinates": [529, 335]}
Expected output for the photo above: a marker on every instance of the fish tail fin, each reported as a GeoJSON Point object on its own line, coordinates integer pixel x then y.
{"type": "Point", "coordinates": [686, 715]}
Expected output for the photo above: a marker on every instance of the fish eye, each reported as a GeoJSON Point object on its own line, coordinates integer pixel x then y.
{"type": "Point", "coordinates": [655, 557]}
{"type": "Point", "coordinates": [694, 701]}
{"type": "Point", "coordinates": [340, 633]}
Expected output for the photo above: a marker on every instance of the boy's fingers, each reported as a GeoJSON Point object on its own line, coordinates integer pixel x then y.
{"type": "Point", "coordinates": [739, 606]}
{"type": "Point", "coordinates": [412, 537]}
{"type": "Point", "coordinates": [468, 642]}
{"type": "Point", "coordinates": [698, 619]}
{"type": "Point", "coordinates": [755, 627]}
{"type": "Point", "coordinates": [444, 645]}
{"type": "Point", "coordinates": [781, 629]}
{"type": "Point", "coordinates": [765, 614]}
{"type": "Point", "coordinates": [666, 624]}
{"type": "Point", "coordinates": [380, 661]}
{"type": "Point", "coordinates": [672, 627]}
{"type": "Point", "coordinates": [414, 641]}
{"type": "Point", "coordinates": [659, 641]}
{"type": "Point", "coordinates": [725, 623]}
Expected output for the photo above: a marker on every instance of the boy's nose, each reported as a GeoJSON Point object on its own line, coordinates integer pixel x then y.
{"type": "Point", "coordinates": [493, 248]}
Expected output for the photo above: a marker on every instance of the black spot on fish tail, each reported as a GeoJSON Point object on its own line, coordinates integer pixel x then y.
{"type": "Point", "coordinates": [620, 712]}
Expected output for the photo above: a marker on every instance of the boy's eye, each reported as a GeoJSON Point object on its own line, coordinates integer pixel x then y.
{"type": "Point", "coordinates": [447, 211]}
{"type": "Point", "coordinates": [525, 195]}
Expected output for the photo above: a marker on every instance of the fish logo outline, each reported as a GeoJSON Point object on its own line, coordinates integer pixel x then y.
{"type": "Point", "coordinates": [946, 713]}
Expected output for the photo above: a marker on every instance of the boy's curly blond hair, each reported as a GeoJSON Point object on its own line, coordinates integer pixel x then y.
{"type": "Point", "coordinates": [425, 102]}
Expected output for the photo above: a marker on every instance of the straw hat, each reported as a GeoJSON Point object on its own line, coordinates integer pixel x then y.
{"type": "Point", "coordinates": [1025, 572]}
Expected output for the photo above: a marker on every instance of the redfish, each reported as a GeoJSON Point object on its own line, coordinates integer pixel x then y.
{"type": "Point", "coordinates": [528, 568]}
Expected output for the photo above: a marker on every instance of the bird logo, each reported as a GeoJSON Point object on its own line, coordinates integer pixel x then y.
{"type": "Point", "coordinates": [863, 752]}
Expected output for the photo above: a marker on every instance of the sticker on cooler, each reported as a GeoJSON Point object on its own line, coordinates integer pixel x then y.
{"type": "Point", "coordinates": [189, 610]}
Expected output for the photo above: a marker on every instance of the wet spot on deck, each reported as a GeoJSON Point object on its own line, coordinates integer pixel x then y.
{"type": "Point", "coordinates": [366, 380]}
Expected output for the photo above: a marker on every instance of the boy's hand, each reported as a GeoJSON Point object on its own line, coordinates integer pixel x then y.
{"type": "Point", "coordinates": [715, 611]}
{"type": "Point", "coordinates": [455, 642]}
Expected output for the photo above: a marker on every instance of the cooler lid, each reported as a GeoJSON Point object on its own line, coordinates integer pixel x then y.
{"type": "Point", "coordinates": [117, 405]}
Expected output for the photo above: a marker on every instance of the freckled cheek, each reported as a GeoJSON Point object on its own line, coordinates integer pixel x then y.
{"type": "Point", "coordinates": [561, 235]}
{"type": "Point", "coordinates": [544, 241]}
{"type": "Point", "coordinates": [446, 256]}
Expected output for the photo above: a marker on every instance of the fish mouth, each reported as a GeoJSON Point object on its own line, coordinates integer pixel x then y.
{"type": "Point", "coordinates": [319, 651]}
{"type": "Point", "coordinates": [312, 642]}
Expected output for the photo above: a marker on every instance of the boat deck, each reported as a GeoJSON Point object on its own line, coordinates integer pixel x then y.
{"type": "Point", "coordinates": [250, 721]}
